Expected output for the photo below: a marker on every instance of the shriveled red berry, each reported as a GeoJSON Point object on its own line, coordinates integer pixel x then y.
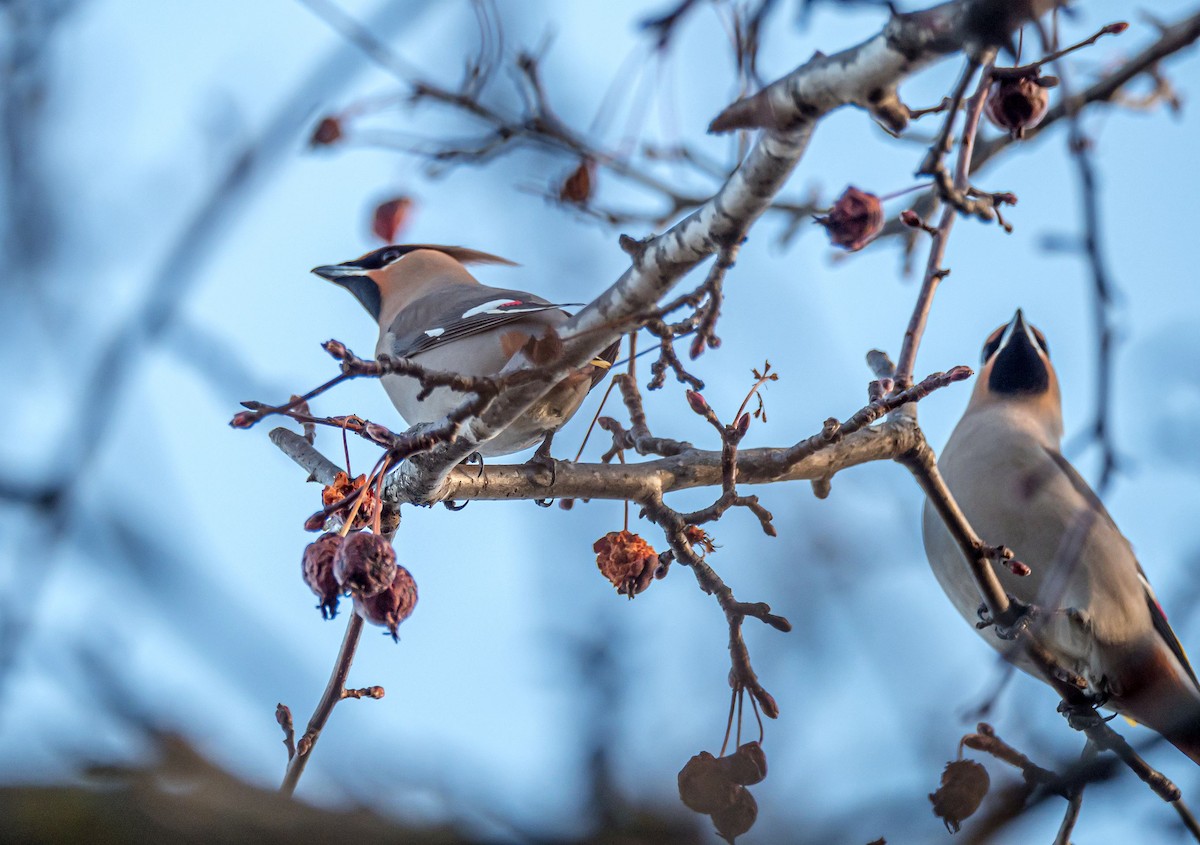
{"type": "Point", "coordinates": [738, 817]}
{"type": "Point", "coordinates": [704, 786]}
{"type": "Point", "coordinates": [365, 564]}
{"type": "Point", "coordinates": [328, 131]}
{"type": "Point", "coordinates": [964, 784]}
{"type": "Point", "coordinates": [747, 765]}
{"type": "Point", "coordinates": [627, 560]}
{"type": "Point", "coordinates": [855, 219]}
{"type": "Point", "coordinates": [317, 567]}
{"type": "Point", "coordinates": [1018, 103]}
{"type": "Point", "coordinates": [392, 606]}
{"type": "Point", "coordinates": [390, 218]}
{"type": "Point", "coordinates": [577, 188]}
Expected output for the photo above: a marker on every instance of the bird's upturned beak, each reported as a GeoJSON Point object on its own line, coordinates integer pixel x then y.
{"type": "Point", "coordinates": [1017, 327]}
{"type": "Point", "coordinates": [333, 272]}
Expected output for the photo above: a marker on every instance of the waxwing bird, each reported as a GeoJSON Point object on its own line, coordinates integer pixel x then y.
{"type": "Point", "coordinates": [431, 310]}
{"type": "Point", "coordinates": [1098, 614]}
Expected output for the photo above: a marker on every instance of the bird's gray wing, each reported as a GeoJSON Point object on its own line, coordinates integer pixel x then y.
{"type": "Point", "coordinates": [449, 315]}
{"type": "Point", "coordinates": [1157, 616]}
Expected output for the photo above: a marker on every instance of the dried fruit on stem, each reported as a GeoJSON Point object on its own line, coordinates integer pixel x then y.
{"type": "Point", "coordinates": [577, 188]}
{"type": "Point", "coordinates": [1019, 103]}
{"type": "Point", "coordinates": [626, 560]}
{"type": "Point", "coordinates": [365, 564]}
{"type": "Point", "coordinates": [704, 786]}
{"type": "Point", "coordinates": [738, 817]}
{"type": "Point", "coordinates": [392, 606]}
{"type": "Point", "coordinates": [342, 490]}
{"type": "Point", "coordinates": [328, 131]}
{"type": "Point", "coordinates": [855, 219]}
{"type": "Point", "coordinates": [964, 784]}
{"type": "Point", "coordinates": [318, 572]}
{"type": "Point", "coordinates": [390, 218]}
{"type": "Point", "coordinates": [747, 765]}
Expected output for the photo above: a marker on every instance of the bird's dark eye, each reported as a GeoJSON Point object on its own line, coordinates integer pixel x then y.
{"type": "Point", "coordinates": [388, 256]}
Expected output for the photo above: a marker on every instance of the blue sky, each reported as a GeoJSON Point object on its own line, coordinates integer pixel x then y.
{"type": "Point", "coordinates": [485, 704]}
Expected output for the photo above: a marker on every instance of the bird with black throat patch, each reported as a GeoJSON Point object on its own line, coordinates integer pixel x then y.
{"type": "Point", "coordinates": [1097, 613]}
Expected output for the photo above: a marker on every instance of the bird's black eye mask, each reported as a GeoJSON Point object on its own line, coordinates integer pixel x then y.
{"type": "Point", "coordinates": [380, 258]}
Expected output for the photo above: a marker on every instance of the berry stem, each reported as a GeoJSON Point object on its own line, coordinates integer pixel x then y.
{"type": "Point", "coordinates": [334, 692]}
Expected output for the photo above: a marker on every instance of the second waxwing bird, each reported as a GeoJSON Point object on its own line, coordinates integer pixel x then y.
{"type": "Point", "coordinates": [431, 310]}
{"type": "Point", "coordinates": [1098, 615]}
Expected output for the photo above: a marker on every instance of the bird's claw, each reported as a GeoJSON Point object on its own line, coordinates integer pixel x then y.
{"type": "Point", "coordinates": [541, 460]}
{"type": "Point", "coordinates": [1022, 615]}
{"type": "Point", "coordinates": [475, 458]}
{"type": "Point", "coordinates": [1083, 716]}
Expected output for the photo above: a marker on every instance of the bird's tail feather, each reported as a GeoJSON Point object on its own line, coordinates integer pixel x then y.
{"type": "Point", "coordinates": [1160, 694]}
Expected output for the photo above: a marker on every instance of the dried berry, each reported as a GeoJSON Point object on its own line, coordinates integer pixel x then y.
{"type": "Point", "coordinates": [365, 564]}
{"type": "Point", "coordinates": [704, 786]}
{"type": "Point", "coordinates": [318, 572]}
{"type": "Point", "coordinates": [390, 218]}
{"type": "Point", "coordinates": [747, 765]}
{"type": "Point", "coordinates": [328, 131]}
{"type": "Point", "coordinates": [964, 783]}
{"type": "Point", "coordinates": [627, 560]}
{"type": "Point", "coordinates": [1018, 103]}
{"type": "Point", "coordinates": [342, 490]}
{"type": "Point", "coordinates": [391, 607]}
{"type": "Point", "coordinates": [854, 220]}
{"type": "Point", "coordinates": [577, 188]}
{"type": "Point", "coordinates": [738, 817]}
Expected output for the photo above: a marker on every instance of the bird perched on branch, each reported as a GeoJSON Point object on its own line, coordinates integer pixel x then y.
{"type": "Point", "coordinates": [1096, 611]}
{"type": "Point", "coordinates": [431, 310]}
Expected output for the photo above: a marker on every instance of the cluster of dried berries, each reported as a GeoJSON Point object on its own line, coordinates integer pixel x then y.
{"type": "Point", "coordinates": [363, 565]}
{"type": "Point", "coordinates": [716, 786]}
{"type": "Point", "coordinates": [964, 784]}
{"type": "Point", "coordinates": [626, 560]}
{"type": "Point", "coordinates": [1017, 103]}
{"type": "Point", "coordinates": [855, 219]}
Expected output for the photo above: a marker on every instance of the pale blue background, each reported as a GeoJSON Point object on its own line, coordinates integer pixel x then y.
{"type": "Point", "coordinates": [179, 568]}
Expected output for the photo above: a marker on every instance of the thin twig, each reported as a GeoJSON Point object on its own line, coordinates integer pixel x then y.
{"type": "Point", "coordinates": [335, 691]}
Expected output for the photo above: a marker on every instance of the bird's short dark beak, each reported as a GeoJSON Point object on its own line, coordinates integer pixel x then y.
{"type": "Point", "coordinates": [333, 272]}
